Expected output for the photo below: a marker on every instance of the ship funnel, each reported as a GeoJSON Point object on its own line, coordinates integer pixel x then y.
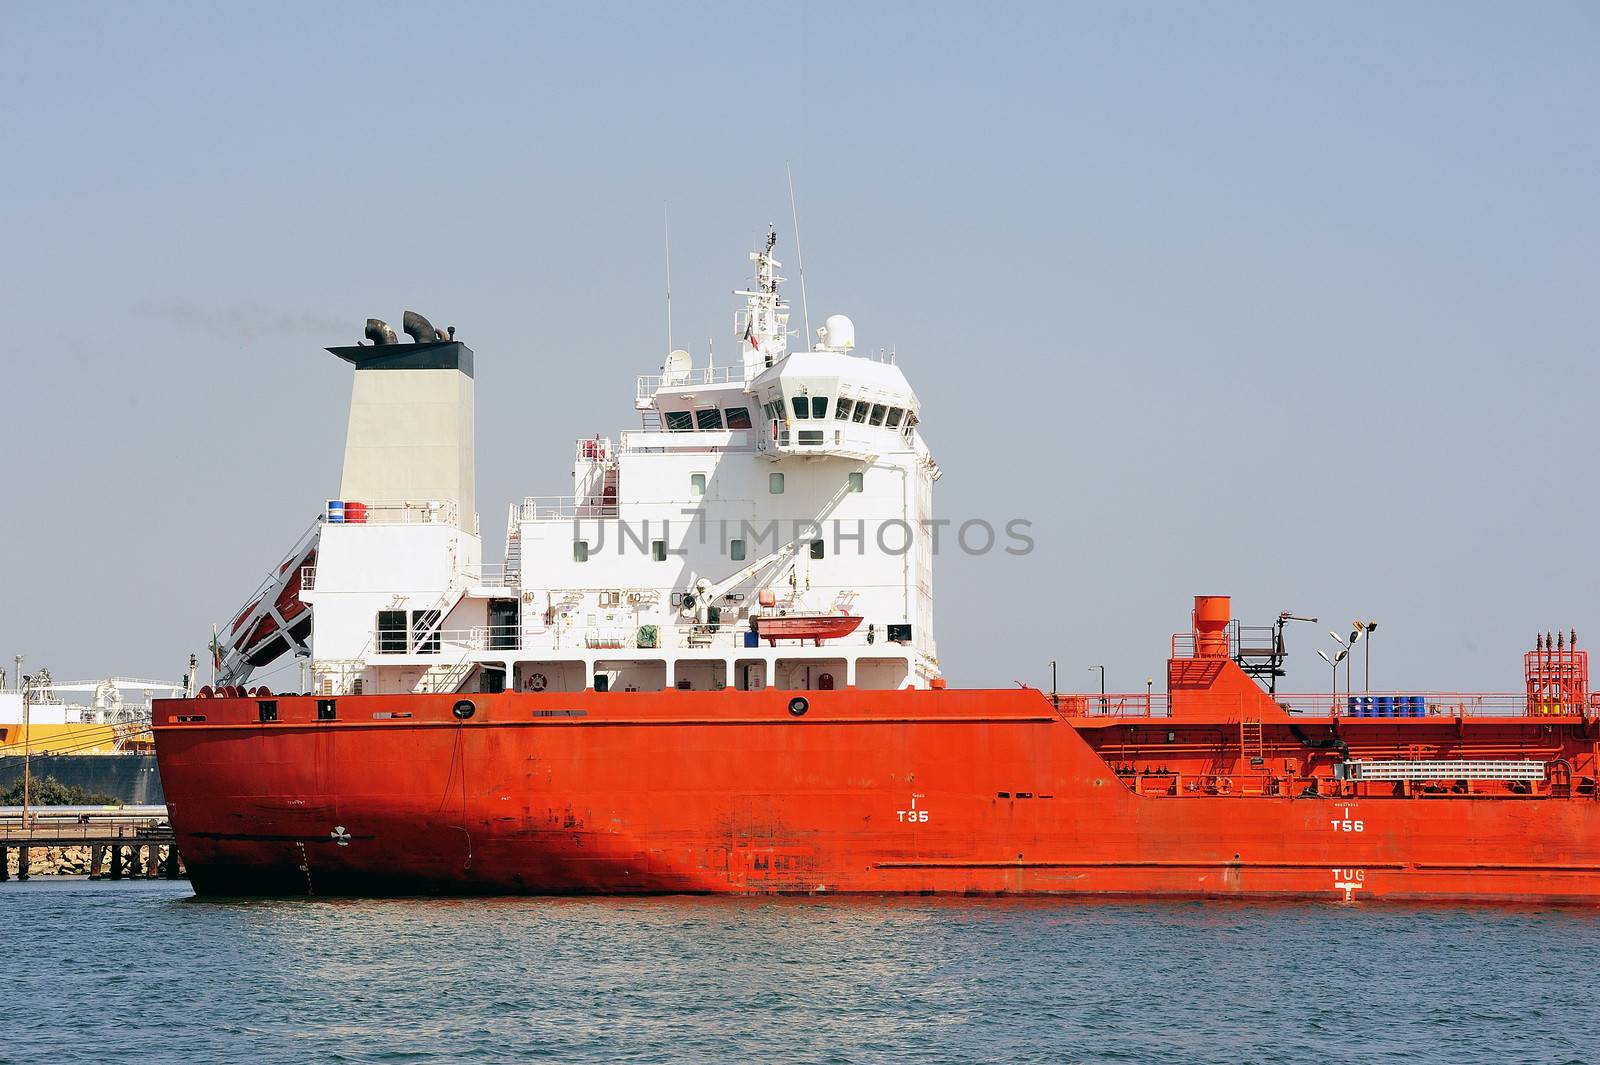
{"type": "Point", "coordinates": [410, 434]}
{"type": "Point", "coordinates": [1212, 615]}
{"type": "Point", "coordinates": [420, 329]}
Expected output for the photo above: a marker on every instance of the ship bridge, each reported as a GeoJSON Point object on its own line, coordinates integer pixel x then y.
{"type": "Point", "coordinates": [829, 402]}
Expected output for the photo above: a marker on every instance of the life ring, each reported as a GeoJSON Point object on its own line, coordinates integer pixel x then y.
{"type": "Point", "coordinates": [1224, 785]}
{"type": "Point", "coordinates": [537, 682]}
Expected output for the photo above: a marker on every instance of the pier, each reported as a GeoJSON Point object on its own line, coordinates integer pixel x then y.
{"type": "Point", "coordinates": [112, 844]}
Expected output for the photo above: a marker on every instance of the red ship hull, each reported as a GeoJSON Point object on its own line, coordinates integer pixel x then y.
{"type": "Point", "coordinates": [968, 792]}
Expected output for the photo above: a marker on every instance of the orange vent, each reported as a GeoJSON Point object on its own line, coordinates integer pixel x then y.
{"type": "Point", "coordinates": [1212, 614]}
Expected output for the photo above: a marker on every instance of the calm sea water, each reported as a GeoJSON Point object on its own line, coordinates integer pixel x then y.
{"type": "Point", "coordinates": [103, 972]}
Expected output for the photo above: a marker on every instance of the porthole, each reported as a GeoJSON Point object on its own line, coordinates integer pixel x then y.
{"type": "Point", "coordinates": [798, 705]}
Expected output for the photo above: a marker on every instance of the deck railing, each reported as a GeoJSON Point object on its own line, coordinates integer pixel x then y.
{"type": "Point", "coordinates": [1400, 706]}
{"type": "Point", "coordinates": [650, 384]}
{"type": "Point", "coordinates": [563, 508]}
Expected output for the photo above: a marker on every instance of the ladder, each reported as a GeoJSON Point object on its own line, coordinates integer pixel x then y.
{"type": "Point", "coordinates": [1250, 741]}
{"type": "Point", "coordinates": [444, 677]}
{"type": "Point", "coordinates": [650, 420]}
{"type": "Point", "coordinates": [513, 554]}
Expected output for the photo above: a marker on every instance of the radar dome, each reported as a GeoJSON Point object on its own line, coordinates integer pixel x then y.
{"type": "Point", "coordinates": [677, 367]}
{"type": "Point", "coordinates": [839, 333]}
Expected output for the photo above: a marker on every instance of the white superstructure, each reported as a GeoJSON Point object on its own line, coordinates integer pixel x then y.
{"type": "Point", "coordinates": [784, 491]}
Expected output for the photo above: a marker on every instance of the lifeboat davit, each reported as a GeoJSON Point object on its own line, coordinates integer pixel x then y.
{"type": "Point", "coordinates": [813, 627]}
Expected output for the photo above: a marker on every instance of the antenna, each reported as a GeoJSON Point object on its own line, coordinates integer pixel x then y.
{"type": "Point", "coordinates": [799, 259]}
{"type": "Point", "coordinates": [666, 237]}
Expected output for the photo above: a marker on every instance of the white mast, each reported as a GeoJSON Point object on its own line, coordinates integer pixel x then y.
{"type": "Point", "coordinates": [764, 323]}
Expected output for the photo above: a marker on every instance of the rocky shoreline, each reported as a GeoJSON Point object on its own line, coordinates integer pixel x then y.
{"type": "Point", "coordinates": [150, 862]}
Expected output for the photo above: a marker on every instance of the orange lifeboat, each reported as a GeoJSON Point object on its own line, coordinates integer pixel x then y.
{"type": "Point", "coordinates": [813, 627]}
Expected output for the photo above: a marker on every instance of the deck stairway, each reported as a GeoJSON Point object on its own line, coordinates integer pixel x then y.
{"type": "Point", "coordinates": [444, 678]}
{"type": "Point", "coordinates": [1250, 741]}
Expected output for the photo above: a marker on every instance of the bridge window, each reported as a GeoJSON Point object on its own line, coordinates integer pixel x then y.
{"type": "Point", "coordinates": [878, 411]}
{"type": "Point", "coordinates": [819, 406]}
{"type": "Point", "coordinates": [801, 408]}
{"type": "Point", "coordinates": [841, 410]}
{"type": "Point", "coordinates": [861, 413]}
{"type": "Point", "coordinates": [679, 421]}
{"type": "Point", "coordinates": [580, 550]}
{"type": "Point", "coordinates": [895, 414]}
{"type": "Point", "coordinates": [858, 481]}
{"type": "Point", "coordinates": [738, 417]}
{"type": "Point", "coordinates": [775, 483]}
{"type": "Point", "coordinates": [736, 550]}
{"type": "Point", "coordinates": [697, 484]}
{"type": "Point", "coordinates": [708, 419]}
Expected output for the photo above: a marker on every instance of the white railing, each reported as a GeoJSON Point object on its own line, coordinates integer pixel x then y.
{"type": "Point", "coordinates": [650, 384]}
{"type": "Point", "coordinates": [563, 508]}
{"type": "Point", "coordinates": [499, 575]}
{"type": "Point", "coordinates": [446, 643]}
{"type": "Point", "coordinates": [643, 441]}
{"type": "Point", "coordinates": [391, 512]}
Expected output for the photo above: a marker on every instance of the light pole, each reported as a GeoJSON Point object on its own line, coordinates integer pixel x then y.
{"type": "Point", "coordinates": [1102, 670]}
{"type": "Point", "coordinates": [1055, 698]}
{"type": "Point", "coordinates": [1149, 704]}
{"type": "Point", "coordinates": [27, 745]}
{"type": "Point", "coordinates": [1366, 628]}
{"type": "Point", "coordinates": [1349, 658]}
{"type": "Point", "coordinates": [1334, 662]}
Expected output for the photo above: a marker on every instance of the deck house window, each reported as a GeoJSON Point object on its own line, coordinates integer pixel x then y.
{"type": "Point", "coordinates": [775, 483]}
{"type": "Point", "coordinates": [816, 549]}
{"type": "Point", "coordinates": [697, 484]}
{"type": "Point", "coordinates": [679, 421]}
{"type": "Point", "coordinates": [801, 408]}
{"type": "Point", "coordinates": [658, 550]}
{"type": "Point", "coordinates": [738, 417]}
{"type": "Point", "coordinates": [895, 414]}
{"type": "Point", "coordinates": [878, 411]}
{"type": "Point", "coordinates": [819, 406]}
{"type": "Point", "coordinates": [857, 481]}
{"type": "Point", "coordinates": [708, 419]}
{"type": "Point", "coordinates": [861, 412]}
{"type": "Point", "coordinates": [392, 632]}
{"type": "Point", "coordinates": [841, 410]}
{"type": "Point", "coordinates": [736, 550]}
{"type": "Point", "coordinates": [580, 550]}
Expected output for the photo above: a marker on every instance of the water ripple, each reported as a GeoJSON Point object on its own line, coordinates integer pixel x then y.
{"type": "Point", "coordinates": [103, 973]}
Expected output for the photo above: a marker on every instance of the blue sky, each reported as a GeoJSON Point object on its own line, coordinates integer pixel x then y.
{"type": "Point", "coordinates": [1290, 303]}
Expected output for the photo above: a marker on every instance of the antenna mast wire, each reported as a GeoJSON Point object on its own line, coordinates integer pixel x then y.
{"type": "Point", "coordinates": [666, 235]}
{"type": "Point", "coordinates": [799, 257]}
